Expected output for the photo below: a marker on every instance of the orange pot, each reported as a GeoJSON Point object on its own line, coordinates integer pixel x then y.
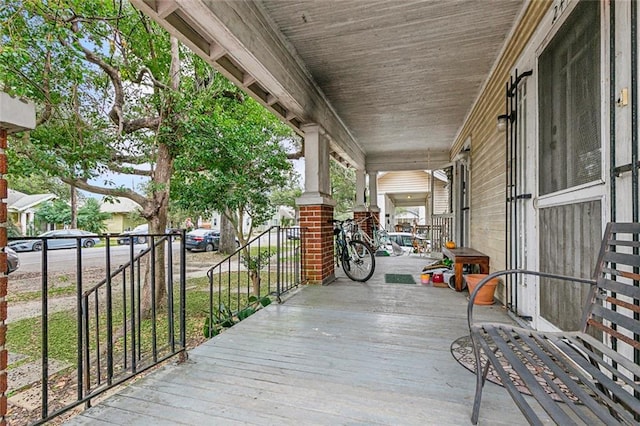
{"type": "Point", "coordinates": [485, 295]}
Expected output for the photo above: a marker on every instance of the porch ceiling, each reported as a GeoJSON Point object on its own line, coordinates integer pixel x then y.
{"type": "Point", "coordinates": [390, 81]}
{"type": "Point", "coordinates": [408, 199]}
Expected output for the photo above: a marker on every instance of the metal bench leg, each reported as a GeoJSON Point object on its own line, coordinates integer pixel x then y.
{"type": "Point", "coordinates": [481, 377]}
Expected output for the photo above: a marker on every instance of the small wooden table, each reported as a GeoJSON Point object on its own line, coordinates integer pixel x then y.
{"type": "Point", "coordinates": [466, 256]}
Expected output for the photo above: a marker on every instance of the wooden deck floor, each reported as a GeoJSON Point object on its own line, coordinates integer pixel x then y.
{"type": "Point", "coordinates": [343, 354]}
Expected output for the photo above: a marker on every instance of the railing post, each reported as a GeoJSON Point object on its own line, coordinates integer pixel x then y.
{"type": "Point", "coordinates": [183, 290]}
{"type": "Point", "coordinates": [45, 330]}
{"type": "Point", "coordinates": [109, 315]}
{"type": "Point", "coordinates": [79, 316]}
{"type": "Point", "coordinates": [278, 261]}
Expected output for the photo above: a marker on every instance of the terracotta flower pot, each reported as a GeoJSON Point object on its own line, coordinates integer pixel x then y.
{"type": "Point", "coordinates": [485, 295]}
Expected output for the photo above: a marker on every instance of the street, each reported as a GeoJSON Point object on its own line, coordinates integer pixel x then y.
{"type": "Point", "coordinates": [65, 259]}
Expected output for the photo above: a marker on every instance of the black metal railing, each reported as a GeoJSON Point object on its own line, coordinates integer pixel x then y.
{"type": "Point", "coordinates": [113, 326]}
{"type": "Point", "coordinates": [267, 267]}
{"type": "Point", "coordinates": [115, 311]}
{"type": "Point", "coordinates": [119, 328]}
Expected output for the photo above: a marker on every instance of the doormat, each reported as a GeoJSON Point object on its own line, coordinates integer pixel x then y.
{"type": "Point", "coordinates": [462, 351]}
{"type": "Point", "coordinates": [399, 279]}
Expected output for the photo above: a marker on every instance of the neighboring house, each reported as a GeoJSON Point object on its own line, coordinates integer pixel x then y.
{"type": "Point", "coordinates": [120, 209]}
{"type": "Point", "coordinates": [22, 208]}
{"type": "Point", "coordinates": [412, 189]}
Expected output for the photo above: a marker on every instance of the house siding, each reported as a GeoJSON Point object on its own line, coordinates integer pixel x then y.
{"type": "Point", "coordinates": [487, 156]}
{"type": "Point", "coordinates": [412, 181]}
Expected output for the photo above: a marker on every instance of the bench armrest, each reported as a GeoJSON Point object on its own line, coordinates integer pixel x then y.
{"type": "Point", "coordinates": [472, 296]}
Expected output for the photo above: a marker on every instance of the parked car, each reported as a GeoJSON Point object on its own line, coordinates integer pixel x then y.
{"type": "Point", "coordinates": [13, 262]}
{"type": "Point", "coordinates": [408, 242]}
{"type": "Point", "coordinates": [139, 234]}
{"type": "Point", "coordinates": [202, 239]}
{"type": "Point", "coordinates": [64, 238]}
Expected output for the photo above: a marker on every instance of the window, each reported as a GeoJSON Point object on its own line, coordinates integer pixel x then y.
{"type": "Point", "coordinates": [569, 102]}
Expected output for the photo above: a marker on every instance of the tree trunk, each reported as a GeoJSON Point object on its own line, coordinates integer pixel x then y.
{"type": "Point", "coordinates": [156, 210]}
{"type": "Point", "coordinates": [227, 236]}
{"type": "Point", "coordinates": [255, 281]}
{"type": "Point", "coordinates": [74, 207]}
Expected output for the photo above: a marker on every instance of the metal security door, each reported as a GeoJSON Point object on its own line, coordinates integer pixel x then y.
{"type": "Point", "coordinates": [519, 206]}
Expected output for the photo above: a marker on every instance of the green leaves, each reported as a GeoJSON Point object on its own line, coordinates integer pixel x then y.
{"type": "Point", "coordinates": [90, 218]}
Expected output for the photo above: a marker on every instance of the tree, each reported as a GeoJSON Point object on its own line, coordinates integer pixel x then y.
{"type": "Point", "coordinates": [236, 160]}
{"type": "Point", "coordinates": [343, 189]}
{"type": "Point", "coordinates": [90, 218]}
{"type": "Point", "coordinates": [114, 94]}
{"type": "Point", "coordinates": [287, 195]}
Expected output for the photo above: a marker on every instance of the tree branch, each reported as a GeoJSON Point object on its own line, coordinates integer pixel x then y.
{"type": "Point", "coordinates": [130, 170]}
{"type": "Point", "coordinates": [295, 156]}
{"type": "Point", "coordinates": [156, 83]}
{"type": "Point", "coordinates": [113, 192]}
{"type": "Point", "coordinates": [116, 112]}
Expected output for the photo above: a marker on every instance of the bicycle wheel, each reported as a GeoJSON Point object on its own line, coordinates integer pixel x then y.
{"type": "Point", "coordinates": [358, 262]}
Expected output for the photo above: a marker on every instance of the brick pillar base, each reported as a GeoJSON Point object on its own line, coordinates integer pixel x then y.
{"type": "Point", "coordinates": [318, 243]}
{"type": "Point", "coordinates": [364, 221]}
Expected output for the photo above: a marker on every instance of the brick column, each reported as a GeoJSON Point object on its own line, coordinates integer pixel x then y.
{"type": "Point", "coordinates": [364, 221]}
{"type": "Point", "coordinates": [319, 264]}
{"type": "Point", "coordinates": [16, 115]}
{"type": "Point", "coordinates": [3, 278]}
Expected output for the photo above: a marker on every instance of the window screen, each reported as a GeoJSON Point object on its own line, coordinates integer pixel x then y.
{"type": "Point", "coordinates": [569, 102]}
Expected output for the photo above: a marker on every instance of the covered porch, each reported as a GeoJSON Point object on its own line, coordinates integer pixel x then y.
{"type": "Point", "coordinates": [346, 353]}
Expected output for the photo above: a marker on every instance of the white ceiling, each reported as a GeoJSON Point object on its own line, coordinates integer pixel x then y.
{"type": "Point", "coordinates": [391, 81]}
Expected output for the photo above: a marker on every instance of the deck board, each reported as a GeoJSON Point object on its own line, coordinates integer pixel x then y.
{"type": "Point", "coordinates": [346, 353]}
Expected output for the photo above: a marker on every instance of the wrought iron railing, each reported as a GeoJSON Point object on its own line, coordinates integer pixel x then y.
{"type": "Point", "coordinates": [269, 266]}
{"type": "Point", "coordinates": [112, 333]}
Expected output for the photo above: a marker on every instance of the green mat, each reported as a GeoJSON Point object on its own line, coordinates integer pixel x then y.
{"type": "Point", "coordinates": [399, 279]}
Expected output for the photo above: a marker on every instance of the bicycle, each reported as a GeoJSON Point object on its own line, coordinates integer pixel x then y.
{"type": "Point", "coordinates": [380, 236]}
{"type": "Point", "coordinates": [355, 257]}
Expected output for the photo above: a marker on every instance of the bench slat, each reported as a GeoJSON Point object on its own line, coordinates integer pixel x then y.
{"type": "Point", "coordinates": [624, 227]}
{"type": "Point", "coordinates": [619, 287]}
{"type": "Point", "coordinates": [623, 243]}
{"type": "Point", "coordinates": [604, 381]}
{"type": "Point", "coordinates": [543, 398]}
{"type": "Point", "coordinates": [622, 258]}
{"type": "Point", "coordinates": [518, 398]}
{"type": "Point", "coordinates": [622, 321]}
{"type": "Point", "coordinates": [603, 298]}
{"type": "Point", "coordinates": [540, 345]}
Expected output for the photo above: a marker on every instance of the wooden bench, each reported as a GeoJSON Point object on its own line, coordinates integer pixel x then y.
{"type": "Point", "coordinates": [465, 256]}
{"type": "Point", "coordinates": [594, 372]}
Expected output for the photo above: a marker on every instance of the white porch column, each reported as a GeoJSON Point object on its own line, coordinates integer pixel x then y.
{"type": "Point", "coordinates": [373, 192]}
{"type": "Point", "coordinates": [361, 188]}
{"type": "Point", "coordinates": [316, 208]}
{"type": "Point", "coordinates": [317, 184]}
